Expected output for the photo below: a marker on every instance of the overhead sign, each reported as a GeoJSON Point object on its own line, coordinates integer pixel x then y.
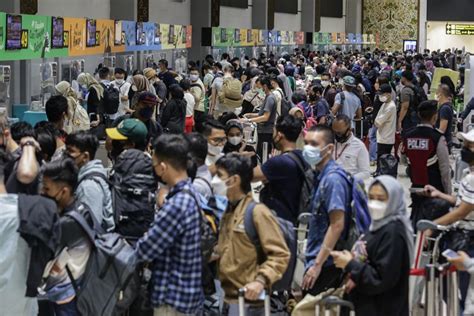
{"type": "Point", "coordinates": [459, 29]}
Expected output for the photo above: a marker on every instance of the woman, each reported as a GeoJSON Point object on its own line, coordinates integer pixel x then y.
{"type": "Point", "coordinates": [78, 119]}
{"type": "Point", "coordinates": [139, 84]}
{"type": "Point", "coordinates": [94, 97]}
{"type": "Point", "coordinates": [173, 115]}
{"type": "Point", "coordinates": [379, 264]}
{"type": "Point", "coordinates": [236, 143]}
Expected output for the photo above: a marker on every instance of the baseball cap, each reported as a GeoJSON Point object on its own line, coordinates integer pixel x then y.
{"type": "Point", "coordinates": [349, 81]}
{"type": "Point", "coordinates": [469, 136]}
{"type": "Point", "coordinates": [129, 129]}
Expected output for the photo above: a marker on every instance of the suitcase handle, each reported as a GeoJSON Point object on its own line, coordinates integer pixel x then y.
{"type": "Point", "coordinates": [242, 303]}
{"type": "Point", "coordinates": [336, 301]}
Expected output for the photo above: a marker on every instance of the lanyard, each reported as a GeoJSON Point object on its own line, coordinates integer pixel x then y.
{"type": "Point", "coordinates": [342, 151]}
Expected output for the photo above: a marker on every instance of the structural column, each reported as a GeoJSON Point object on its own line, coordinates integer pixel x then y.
{"type": "Point", "coordinates": [263, 14]}
{"type": "Point", "coordinates": [310, 15]}
{"type": "Point", "coordinates": [353, 14]}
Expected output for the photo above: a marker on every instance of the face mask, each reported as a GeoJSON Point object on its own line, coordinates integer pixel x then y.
{"type": "Point", "coordinates": [325, 83]}
{"type": "Point", "coordinates": [218, 186]}
{"type": "Point", "coordinates": [120, 81]}
{"type": "Point", "coordinates": [467, 156]}
{"type": "Point", "coordinates": [312, 155]}
{"type": "Point", "coordinates": [146, 113]}
{"type": "Point", "coordinates": [377, 209]}
{"type": "Point", "coordinates": [214, 150]}
{"type": "Point", "coordinates": [236, 140]}
{"type": "Point", "coordinates": [342, 138]}
{"type": "Point", "coordinates": [194, 77]}
{"type": "Point", "coordinates": [383, 98]}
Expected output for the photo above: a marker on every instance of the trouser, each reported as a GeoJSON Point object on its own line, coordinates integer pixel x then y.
{"type": "Point", "coordinates": [68, 309]}
{"type": "Point", "coordinates": [382, 149]}
{"type": "Point", "coordinates": [189, 124]}
{"type": "Point", "coordinates": [233, 310]}
{"type": "Point", "coordinates": [168, 311]}
{"type": "Point", "coordinates": [264, 138]}
{"type": "Point", "coordinates": [373, 143]}
{"type": "Point", "coordinates": [199, 119]}
{"type": "Point", "coordinates": [329, 278]}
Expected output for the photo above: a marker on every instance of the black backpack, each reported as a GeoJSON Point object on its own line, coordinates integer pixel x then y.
{"type": "Point", "coordinates": [308, 184]}
{"type": "Point", "coordinates": [289, 233]}
{"type": "Point", "coordinates": [419, 96]}
{"type": "Point", "coordinates": [285, 105]}
{"type": "Point", "coordinates": [111, 99]}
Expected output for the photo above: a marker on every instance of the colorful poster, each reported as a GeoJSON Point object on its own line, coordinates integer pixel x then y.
{"type": "Point", "coordinates": [189, 36]}
{"type": "Point", "coordinates": [255, 38]}
{"type": "Point", "coordinates": [299, 38]}
{"type": "Point", "coordinates": [358, 38]}
{"type": "Point", "coordinates": [350, 38]}
{"type": "Point", "coordinates": [243, 37]}
{"type": "Point", "coordinates": [365, 39]}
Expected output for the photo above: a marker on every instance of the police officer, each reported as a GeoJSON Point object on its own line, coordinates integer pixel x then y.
{"type": "Point", "coordinates": [428, 159]}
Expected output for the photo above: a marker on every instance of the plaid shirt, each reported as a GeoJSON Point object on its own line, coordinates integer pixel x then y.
{"type": "Point", "coordinates": [173, 244]}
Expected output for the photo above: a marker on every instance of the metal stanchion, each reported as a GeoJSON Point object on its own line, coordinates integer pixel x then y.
{"type": "Point", "coordinates": [264, 152]}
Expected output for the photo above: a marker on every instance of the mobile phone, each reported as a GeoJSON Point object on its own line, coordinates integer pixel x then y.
{"type": "Point", "coordinates": [450, 254]}
{"type": "Point", "coordinates": [417, 190]}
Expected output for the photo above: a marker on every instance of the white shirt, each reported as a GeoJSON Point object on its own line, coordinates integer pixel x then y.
{"type": "Point", "coordinates": [190, 103]}
{"type": "Point", "coordinates": [353, 157]}
{"type": "Point", "coordinates": [124, 89]}
{"type": "Point", "coordinates": [386, 123]}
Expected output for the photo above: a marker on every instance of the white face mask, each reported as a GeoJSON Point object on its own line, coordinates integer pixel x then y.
{"type": "Point", "coordinates": [325, 83]}
{"type": "Point", "coordinates": [214, 150]}
{"type": "Point", "coordinates": [377, 209]}
{"type": "Point", "coordinates": [218, 186]}
{"type": "Point", "coordinates": [236, 140]}
{"type": "Point", "coordinates": [194, 77]}
{"type": "Point", "coordinates": [119, 81]}
{"type": "Point", "coordinates": [383, 98]}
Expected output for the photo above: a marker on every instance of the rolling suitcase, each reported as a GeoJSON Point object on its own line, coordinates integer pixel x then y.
{"type": "Point", "coordinates": [332, 305]}
{"type": "Point", "coordinates": [243, 310]}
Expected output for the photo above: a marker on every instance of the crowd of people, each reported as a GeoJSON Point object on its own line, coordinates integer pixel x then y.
{"type": "Point", "coordinates": [188, 157]}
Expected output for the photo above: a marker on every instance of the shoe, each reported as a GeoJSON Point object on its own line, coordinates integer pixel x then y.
{"type": "Point", "coordinates": [373, 163]}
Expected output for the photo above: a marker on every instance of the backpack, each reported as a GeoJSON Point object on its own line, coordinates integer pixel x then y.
{"type": "Point", "coordinates": [285, 105]}
{"type": "Point", "coordinates": [359, 220]}
{"type": "Point", "coordinates": [111, 99]}
{"type": "Point", "coordinates": [231, 93]}
{"type": "Point", "coordinates": [80, 119]}
{"type": "Point", "coordinates": [308, 184]}
{"type": "Point", "coordinates": [288, 231]}
{"type": "Point", "coordinates": [388, 165]}
{"type": "Point", "coordinates": [209, 228]}
{"type": "Point", "coordinates": [110, 267]}
{"type": "Point", "coordinates": [419, 96]}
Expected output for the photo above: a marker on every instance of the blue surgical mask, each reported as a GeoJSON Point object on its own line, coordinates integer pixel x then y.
{"type": "Point", "coordinates": [312, 155]}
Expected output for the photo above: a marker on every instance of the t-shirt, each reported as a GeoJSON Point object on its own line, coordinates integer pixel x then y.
{"type": "Point", "coordinates": [407, 95]}
{"type": "Point", "coordinates": [167, 77]}
{"type": "Point", "coordinates": [124, 90]}
{"type": "Point", "coordinates": [321, 109]}
{"type": "Point", "coordinates": [269, 105]}
{"type": "Point", "coordinates": [198, 92]}
{"type": "Point", "coordinates": [350, 106]}
{"type": "Point", "coordinates": [283, 190]}
{"type": "Point", "coordinates": [190, 103]}
{"type": "Point", "coordinates": [445, 112]}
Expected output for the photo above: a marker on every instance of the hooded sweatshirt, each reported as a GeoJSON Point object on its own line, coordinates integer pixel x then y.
{"type": "Point", "coordinates": [95, 193]}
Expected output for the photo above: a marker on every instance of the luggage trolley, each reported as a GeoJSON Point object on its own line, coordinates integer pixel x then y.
{"type": "Point", "coordinates": [427, 292]}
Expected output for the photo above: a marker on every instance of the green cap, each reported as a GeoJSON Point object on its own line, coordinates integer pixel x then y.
{"type": "Point", "coordinates": [129, 129]}
{"type": "Point", "coordinates": [349, 81]}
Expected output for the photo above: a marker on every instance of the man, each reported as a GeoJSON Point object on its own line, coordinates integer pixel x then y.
{"type": "Point", "coordinates": [347, 102]}
{"type": "Point", "coordinates": [124, 88]}
{"type": "Point", "coordinates": [20, 130]}
{"type": "Point", "coordinates": [428, 158]}
{"type": "Point", "coordinates": [217, 108]}
{"type": "Point", "coordinates": [237, 271]}
{"type": "Point", "coordinates": [59, 182]}
{"type": "Point", "coordinates": [266, 117]}
{"type": "Point", "coordinates": [165, 74]}
{"type": "Point", "coordinates": [22, 170]}
{"type": "Point", "coordinates": [445, 113]}
{"type": "Point", "coordinates": [199, 93]}
{"type": "Point", "coordinates": [132, 176]}
{"type": "Point", "coordinates": [349, 151]}
{"type": "Point", "coordinates": [225, 58]}
{"type": "Point", "coordinates": [385, 122]}
{"type": "Point", "coordinates": [321, 109]}
{"type": "Point", "coordinates": [407, 118]}
{"type": "Point", "coordinates": [332, 201]}
{"type": "Point", "coordinates": [214, 132]}
{"type": "Point", "coordinates": [198, 150]}
{"type": "Point", "coordinates": [56, 112]}
{"type": "Point", "coordinates": [92, 189]}
{"type": "Point", "coordinates": [15, 254]}
{"type": "Point", "coordinates": [144, 112]}
{"type": "Point", "coordinates": [281, 175]}
{"type": "Point", "coordinates": [176, 280]}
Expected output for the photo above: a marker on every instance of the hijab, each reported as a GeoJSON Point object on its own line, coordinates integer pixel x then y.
{"type": "Point", "coordinates": [396, 210]}
{"type": "Point", "coordinates": [140, 83]}
{"type": "Point", "coordinates": [87, 80]}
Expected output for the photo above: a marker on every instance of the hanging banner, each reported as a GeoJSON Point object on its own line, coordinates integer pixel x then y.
{"type": "Point", "coordinates": [299, 38]}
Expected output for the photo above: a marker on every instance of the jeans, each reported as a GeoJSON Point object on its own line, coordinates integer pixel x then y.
{"type": "Point", "coordinates": [68, 309]}
{"type": "Point", "coordinates": [373, 143]}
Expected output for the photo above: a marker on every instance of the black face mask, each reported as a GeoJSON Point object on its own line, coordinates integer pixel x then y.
{"type": "Point", "coordinates": [342, 138]}
{"type": "Point", "coordinates": [467, 156]}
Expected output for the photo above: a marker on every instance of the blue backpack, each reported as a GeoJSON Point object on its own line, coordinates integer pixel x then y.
{"type": "Point", "coordinates": [360, 217]}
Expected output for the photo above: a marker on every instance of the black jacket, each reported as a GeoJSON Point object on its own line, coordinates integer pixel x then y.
{"type": "Point", "coordinates": [382, 282]}
{"type": "Point", "coordinates": [173, 116]}
{"type": "Point", "coordinates": [40, 228]}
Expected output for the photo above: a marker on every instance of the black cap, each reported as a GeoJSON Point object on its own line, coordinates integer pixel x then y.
{"type": "Point", "coordinates": [385, 88]}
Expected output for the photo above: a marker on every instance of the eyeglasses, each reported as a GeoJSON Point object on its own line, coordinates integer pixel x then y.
{"type": "Point", "coordinates": [218, 141]}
